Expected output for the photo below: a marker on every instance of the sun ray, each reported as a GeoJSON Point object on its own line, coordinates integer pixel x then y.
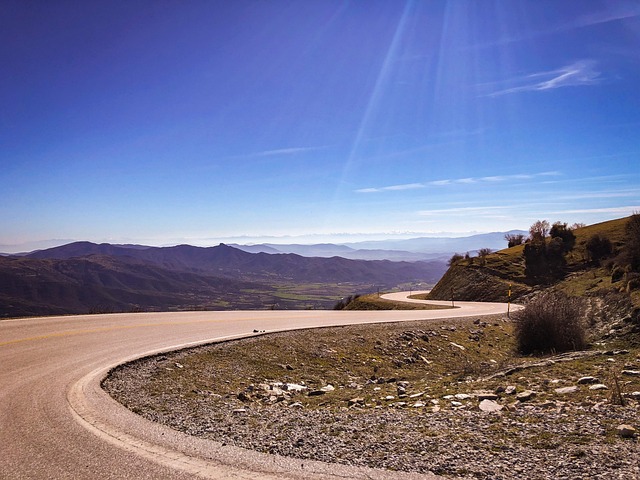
{"type": "Point", "coordinates": [374, 98]}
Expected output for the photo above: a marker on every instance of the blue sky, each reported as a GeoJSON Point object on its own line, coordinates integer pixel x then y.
{"type": "Point", "coordinates": [168, 122]}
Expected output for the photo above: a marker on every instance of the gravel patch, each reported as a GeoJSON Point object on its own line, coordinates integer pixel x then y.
{"type": "Point", "coordinates": [400, 423]}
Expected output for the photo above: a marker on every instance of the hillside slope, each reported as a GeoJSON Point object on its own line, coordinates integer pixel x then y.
{"type": "Point", "coordinates": [99, 284]}
{"type": "Point", "coordinates": [476, 279]}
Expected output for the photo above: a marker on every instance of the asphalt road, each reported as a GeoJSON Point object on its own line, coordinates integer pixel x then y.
{"type": "Point", "coordinates": [57, 423]}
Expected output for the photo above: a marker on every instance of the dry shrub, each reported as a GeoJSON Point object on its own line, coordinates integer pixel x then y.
{"type": "Point", "coordinates": [550, 323]}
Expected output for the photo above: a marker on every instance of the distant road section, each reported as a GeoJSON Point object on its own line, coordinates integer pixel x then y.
{"type": "Point", "coordinates": [57, 422]}
{"type": "Point", "coordinates": [461, 309]}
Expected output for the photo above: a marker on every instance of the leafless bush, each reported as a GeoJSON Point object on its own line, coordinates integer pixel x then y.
{"type": "Point", "coordinates": [344, 303]}
{"type": "Point", "coordinates": [550, 323]}
{"type": "Point", "coordinates": [514, 239]}
{"type": "Point", "coordinates": [455, 258]}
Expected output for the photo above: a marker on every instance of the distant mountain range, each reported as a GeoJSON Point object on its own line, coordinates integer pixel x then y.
{"type": "Point", "coordinates": [83, 277]}
{"type": "Point", "coordinates": [410, 250]}
{"type": "Point", "coordinates": [229, 262]}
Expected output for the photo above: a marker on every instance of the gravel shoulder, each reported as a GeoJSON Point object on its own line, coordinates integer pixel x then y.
{"type": "Point", "coordinates": [437, 396]}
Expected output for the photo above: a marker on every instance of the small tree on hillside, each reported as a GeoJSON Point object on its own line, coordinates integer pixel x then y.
{"type": "Point", "coordinates": [598, 247]}
{"type": "Point", "coordinates": [535, 265]}
{"type": "Point", "coordinates": [482, 254]}
{"type": "Point", "coordinates": [514, 239]}
{"type": "Point", "coordinates": [544, 261]}
{"type": "Point", "coordinates": [632, 243]}
{"type": "Point", "coordinates": [561, 231]}
{"type": "Point", "coordinates": [468, 258]}
{"type": "Point", "coordinates": [538, 231]}
{"type": "Point", "coordinates": [455, 258]}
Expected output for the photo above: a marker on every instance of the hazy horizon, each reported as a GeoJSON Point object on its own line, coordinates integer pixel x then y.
{"type": "Point", "coordinates": [163, 122]}
{"type": "Point", "coordinates": [337, 239]}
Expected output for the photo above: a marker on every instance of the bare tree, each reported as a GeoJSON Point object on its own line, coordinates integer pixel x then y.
{"type": "Point", "coordinates": [482, 253]}
{"type": "Point", "coordinates": [539, 230]}
{"type": "Point", "coordinates": [514, 239]}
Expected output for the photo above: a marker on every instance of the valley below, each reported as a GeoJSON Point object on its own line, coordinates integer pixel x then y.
{"type": "Point", "coordinates": [83, 277]}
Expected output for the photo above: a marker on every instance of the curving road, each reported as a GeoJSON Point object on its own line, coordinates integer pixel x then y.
{"type": "Point", "coordinates": [57, 423]}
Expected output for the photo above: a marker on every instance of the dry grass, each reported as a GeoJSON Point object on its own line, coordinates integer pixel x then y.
{"type": "Point", "coordinates": [368, 361]}
{"type": "Point", "coordinates": [374, 302]}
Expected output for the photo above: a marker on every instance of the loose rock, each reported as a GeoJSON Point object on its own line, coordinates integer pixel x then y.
{"type": "Point", "coordinates": [490, 406]}
{"type": "Point", "coordinates": [626, 431]}
{"type": "Point", "coordinates": [598, 386]}
{"type": "Point", "coordinates": [525, 396]}
{"type": "Point", "coordinates": [566, 390]}
{"type": "Point", "coordinates": [587, 380]}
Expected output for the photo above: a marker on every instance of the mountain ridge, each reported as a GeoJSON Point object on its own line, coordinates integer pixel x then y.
{"type": "Point", "coordinates": [83, 277]}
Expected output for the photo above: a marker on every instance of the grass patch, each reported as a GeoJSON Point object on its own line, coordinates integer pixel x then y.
{"type": "Point", "coordinates": [374, 302]}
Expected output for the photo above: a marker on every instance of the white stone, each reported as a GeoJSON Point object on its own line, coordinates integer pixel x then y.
{"type": "Point", "coordinates": [462, 396]}
{"type": "Point", "coordinates": [598, 386]}
{"type": "Point", "coordinates": [565, 390]}
{"type": "Point", "coordinates": [490, 406]}
{"type": "Point", "coordinates": [585, 380]}
{"type": "Point", "coordinates": [294, 387]}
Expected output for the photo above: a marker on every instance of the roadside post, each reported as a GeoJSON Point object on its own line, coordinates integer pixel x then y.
{"type": "Point", "coordinates": [509, 302]}
{"type": "Point", "coordinates": [453, 294]}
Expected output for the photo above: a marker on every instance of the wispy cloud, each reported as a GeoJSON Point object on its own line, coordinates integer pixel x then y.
{"type": "Point", "coordinates": [627, 209]}
{"type": "Point", "coordinates": [407, 186]}
{"type": "Point", "coordinates": [620, 11]}
{"type": "Point", "coordinates": [458, 181]}
{"type": "Point", "coordinates": [575, 74]}
{"type": "Point", "coordinates": [487, 210]}
{"type": "Point", "coordinates": [286, 151]}
{"type": "Point", "coordinates": [615, 12]}
{"type": "Point", "coordinates": [595, 195]}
